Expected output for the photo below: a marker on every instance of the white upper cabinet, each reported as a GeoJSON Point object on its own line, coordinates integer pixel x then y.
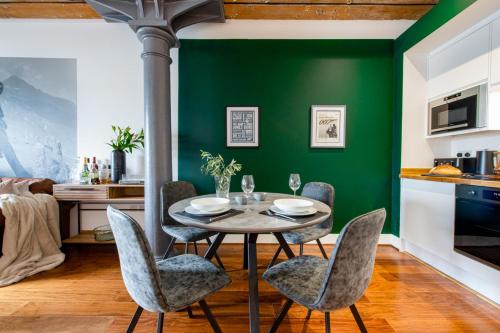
{"type": "Point", "coordinates": [495, 52]}
{"type": "Point", "coordinates": [462, 64]}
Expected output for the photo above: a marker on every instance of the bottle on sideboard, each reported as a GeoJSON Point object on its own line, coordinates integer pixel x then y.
{"type": "Point", "coordinates": [85, 174]}
{"type": "Point", "coordinates": [94, 171]}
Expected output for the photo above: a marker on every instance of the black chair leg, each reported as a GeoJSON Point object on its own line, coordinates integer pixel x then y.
{"type": "Point", "coordinates": [322, 249]}
{"type": "Point", "coordinates": [135, 319]}
{"type": "Point", "coordinates": [209, 242]}
{"type": "Point", "coordinates": [190, 312]}
{"type": "Point", "coordinates": [301, 249]}
{"type": "Point", "coordinates": [210, 316]}
{"type": "Point", "coordinates": [159, 323]}
{"type": "Point", "coordinates": [169, 248]}
{"type": "Point", "coordinates": [308, 314]}
{"type": "Point", "coordinates": [358, 319]}
{"type": "Point", "coordinates": [327, 322]}
{"type": "Point", "coordinates": [195, 248]}
{"type": "Point", "coordinates": [281, 315]}
{"type": "Point", "coordinates": [275, 257]}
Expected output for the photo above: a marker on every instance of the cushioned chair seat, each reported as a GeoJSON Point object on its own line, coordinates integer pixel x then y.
{"type": "Point", "coordinates": [186, 234]}
{"type": "Point", "coordinates": [299, 278]}
{"type": "Point", "coordinates": [186, 279]}
{"type": "Point", "coordinates": [301, 236]}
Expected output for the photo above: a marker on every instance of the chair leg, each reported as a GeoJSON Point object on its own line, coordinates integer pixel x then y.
{"type": "Point", "coordinates": [358, 319]}
{"type": "Point", "coordinates": [195, 248]}
{"type": "Point", "coordinates": [210, 316]}
{"type": "Point", "coordinates": [281, 315]}
{"type": "Point", "coordinates": [275, 257]}
{"type": "Point", "coordinates": [135, 319]}
{"type": "Point", "coordinates": [169, 248]}
{"type": "Point", "coordinates": [327, 322]}
{"type": "Point", "coordinates": [308, 314]}
{"type": "Point", "coordinates": [159, 323]}
{"type": "Point", "coordinates": [209, 242]}
{"type": "Point", "coordinates": [301, 249]}
{"type": "Point", "coordinates": [321, 248]}
{"type": "Point", "coordinates": [186, 248]}
{"type": "Point", "coordinates": [190, 312]}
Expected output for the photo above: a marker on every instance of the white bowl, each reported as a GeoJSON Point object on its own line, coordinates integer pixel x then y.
{"type": "Point", "coordinates": [293, 205]}
{"type": "Point", "coordinates": [209, 204]}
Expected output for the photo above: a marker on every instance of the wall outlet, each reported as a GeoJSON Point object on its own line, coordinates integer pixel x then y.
{"type": "Point", "coordinates": [466, 153]}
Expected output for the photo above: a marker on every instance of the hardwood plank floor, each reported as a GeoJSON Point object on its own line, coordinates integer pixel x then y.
{"type": "Point", "coordinates": [86, 294]}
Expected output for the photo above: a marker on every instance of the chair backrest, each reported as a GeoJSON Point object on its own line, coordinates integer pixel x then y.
{"type": "Point", "coordinates": [323, 192]}
{"type": "Point", "coordinates": [351, 263]}
{"type": "Point", "coordinates": [171, 193]}
{"type": "Point", "coordinates": [137, 263]}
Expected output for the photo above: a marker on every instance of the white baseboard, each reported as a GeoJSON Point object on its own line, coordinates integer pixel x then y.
{"type": "Point", "coordinates": [385, 239]}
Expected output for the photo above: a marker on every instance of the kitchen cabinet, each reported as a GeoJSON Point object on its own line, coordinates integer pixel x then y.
{"type": "Point", "coordinates": [427, 232]}
{"type": "Point", "coordinates": [461, 64]}
{"type": "Point", "coordinates": [495, 53]}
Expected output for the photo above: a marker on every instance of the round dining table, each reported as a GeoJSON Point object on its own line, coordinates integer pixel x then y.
{"type": "Point", "coordinates": [251, 222]}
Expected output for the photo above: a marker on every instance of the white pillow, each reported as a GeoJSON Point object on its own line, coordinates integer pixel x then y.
{"type": "Point", "coordinates": [7, 187]}
{"type": "Point", "coordinates": [22, 187]}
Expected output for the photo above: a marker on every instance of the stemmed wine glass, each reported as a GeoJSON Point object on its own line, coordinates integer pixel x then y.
{"type": "Point", "coordinates": [294, 182]}
{"type": "Point", "coordinates": [247, 185]}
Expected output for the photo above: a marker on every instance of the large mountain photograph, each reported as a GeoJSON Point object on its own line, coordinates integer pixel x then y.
{"type": "Point", "coordinates": [38, 118]}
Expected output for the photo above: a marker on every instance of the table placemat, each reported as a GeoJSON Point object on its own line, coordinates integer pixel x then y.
{"type": "Point", "coordinates": [297, 219]}
{"type": "Point", "coordinates": [209, 219]}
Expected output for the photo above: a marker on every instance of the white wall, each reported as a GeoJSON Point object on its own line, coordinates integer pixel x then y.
{"type": "Point", "coordinates": [109, 71]}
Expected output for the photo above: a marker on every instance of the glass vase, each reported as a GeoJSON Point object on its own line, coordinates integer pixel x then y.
{"type": "Point", "coordinates": [222, 185]}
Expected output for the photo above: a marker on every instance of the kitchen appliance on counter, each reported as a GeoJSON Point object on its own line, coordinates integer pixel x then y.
{"type": "Point", "coordinates": [486, 161]}
{"type": "Point", "coordinates": [466, 164]}
{"type": "Point", "coordinates": [477, 223]}
{"type": "Point", "coordinates": [463, 110]}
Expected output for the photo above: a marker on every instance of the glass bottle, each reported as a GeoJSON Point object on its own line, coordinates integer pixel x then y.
{"type": "Point", "coordinates": [84, 175]}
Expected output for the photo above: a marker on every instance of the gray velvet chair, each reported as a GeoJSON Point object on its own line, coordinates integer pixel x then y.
{"type": "Point", "coordinates": [167, 285]}
{"type": "Point", "coordinates": [328, 285]}
{"type": "Point", "coordinates": [318, 191]}
{"type": "Point", "coordinates": [171, 193]}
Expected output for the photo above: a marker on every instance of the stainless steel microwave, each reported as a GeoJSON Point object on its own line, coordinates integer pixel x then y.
{"type": "Point", "coordinates": [462, 110]}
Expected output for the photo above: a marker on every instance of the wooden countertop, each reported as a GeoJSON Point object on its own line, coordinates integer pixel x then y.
{"type": "Point", "coordinates": [416, 173]}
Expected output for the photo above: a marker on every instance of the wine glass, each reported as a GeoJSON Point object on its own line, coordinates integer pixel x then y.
{"type": "Point", "coordinates": [247, 185]}
{"type": "Point", "coordinates": [294, 182]}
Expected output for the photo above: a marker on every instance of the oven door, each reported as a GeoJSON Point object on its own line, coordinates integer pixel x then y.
{"type": "Point", "coordinates": [454, 116]}
{"type": "Point", "coordinates": [477, 227]}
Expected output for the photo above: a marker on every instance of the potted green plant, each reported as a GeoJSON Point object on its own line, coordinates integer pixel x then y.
{"type": "Point", "coordinates": [216, 167]}
{"type": "Point", "coordinates": [124, 142]}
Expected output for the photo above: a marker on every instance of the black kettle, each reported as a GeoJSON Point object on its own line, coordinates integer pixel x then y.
{"type": "Point", "coordinates": [485, 162]}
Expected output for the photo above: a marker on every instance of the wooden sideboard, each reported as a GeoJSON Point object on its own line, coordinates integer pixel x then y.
{"type": "Point", "coordinates": [70, 196]}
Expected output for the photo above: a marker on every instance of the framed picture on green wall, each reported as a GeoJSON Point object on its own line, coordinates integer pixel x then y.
{"type": "Point", "coordinates": [242, 126]}
{"type": "Point", "coordinates": [328, 126]}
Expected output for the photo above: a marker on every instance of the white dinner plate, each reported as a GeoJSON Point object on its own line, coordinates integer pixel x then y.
{"type": "Point", "coordinates": [293, 205]}
{"type": "Point", "coordinates": [209, 204]}
{"type": "Point", "coordinates": [193, 211]}
{"type": "Point", "coordinates": [308, 212]}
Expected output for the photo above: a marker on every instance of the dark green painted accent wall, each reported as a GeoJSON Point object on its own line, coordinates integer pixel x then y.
{"type": "Point", "coordinates": [439, 15]}
{"type": "Point", "coordinates": [284, 78]}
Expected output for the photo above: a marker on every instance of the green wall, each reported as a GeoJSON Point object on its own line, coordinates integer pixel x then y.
{"type": "Point", "coordinates": [284, 78]}
{"type": "Point", "coordinates": [439, 15]}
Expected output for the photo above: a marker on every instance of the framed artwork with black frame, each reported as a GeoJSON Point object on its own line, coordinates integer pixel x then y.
{"type": "Point", "coordinates": [242, 126]}
{"type": "Point", "coordinates": [328, 126]}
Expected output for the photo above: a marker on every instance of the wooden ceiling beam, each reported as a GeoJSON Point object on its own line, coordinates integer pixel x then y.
{"type": "Point", "coordinates": [325, 12]}
{"type": "Point", "coordinates": [243, 9]}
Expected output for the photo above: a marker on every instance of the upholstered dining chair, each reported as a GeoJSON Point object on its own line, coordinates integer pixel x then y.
{"type": "Point", "coordinates": [167, 285]}
{"type": "Point", "coordinates": [172, 192]}
{"type": "Point", "coordinates": [328, 285]}
{"type": "Point", "coordinates": [318, 191]}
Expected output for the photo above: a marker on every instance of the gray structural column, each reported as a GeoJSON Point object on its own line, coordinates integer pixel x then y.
{"type": "Point", "coordinates": [157, 129]}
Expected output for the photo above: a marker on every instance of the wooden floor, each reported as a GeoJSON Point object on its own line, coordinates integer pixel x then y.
{"type": "Point", "coordinates": [86, 294]}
